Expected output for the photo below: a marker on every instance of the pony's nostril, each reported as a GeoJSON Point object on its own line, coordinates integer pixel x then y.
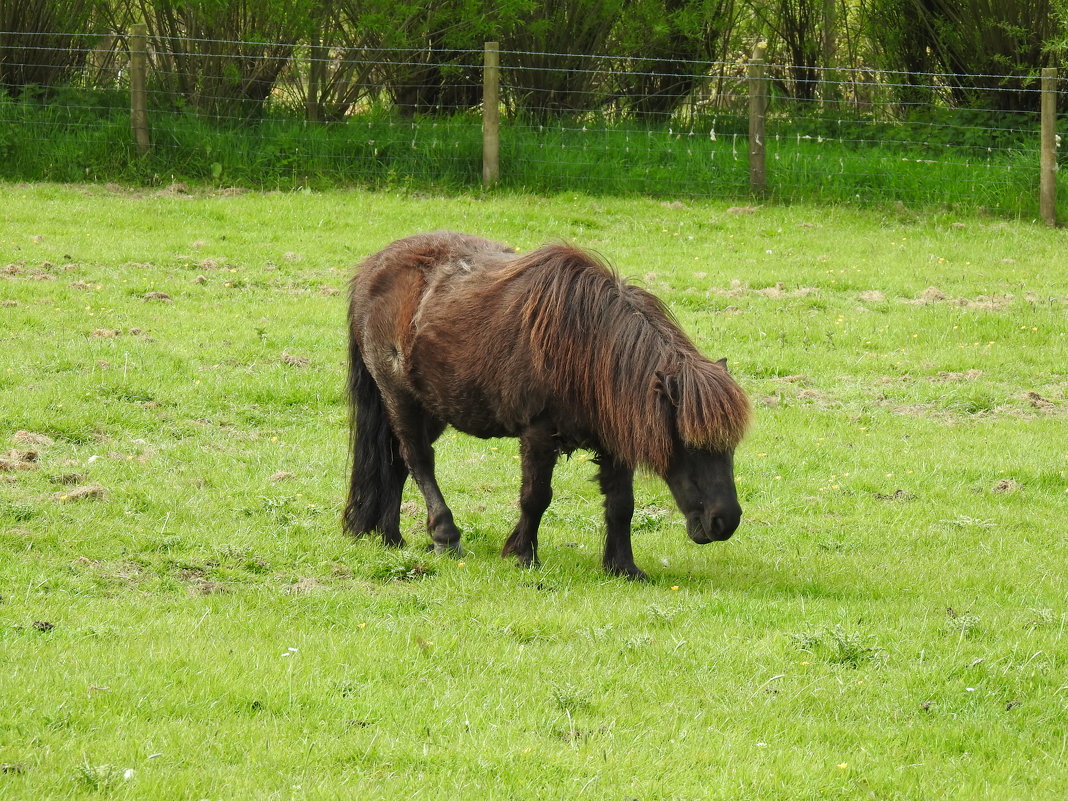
{"type": "Point", "coordinates": [722, 524]}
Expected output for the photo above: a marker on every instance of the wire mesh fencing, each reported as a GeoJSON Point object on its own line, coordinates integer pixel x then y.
{"type": "Point", "coordinates": [269, 114]}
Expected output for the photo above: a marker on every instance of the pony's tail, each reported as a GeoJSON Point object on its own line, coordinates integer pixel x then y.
{"type": "Point", "coordinates": [374, 451]}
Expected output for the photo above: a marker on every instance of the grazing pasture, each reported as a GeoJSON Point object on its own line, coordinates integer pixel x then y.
{"type": "Point", "coordinates": [180, 616]}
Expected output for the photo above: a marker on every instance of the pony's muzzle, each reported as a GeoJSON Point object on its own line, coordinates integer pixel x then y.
{"type": "Point", "coordinates": [713, 525]}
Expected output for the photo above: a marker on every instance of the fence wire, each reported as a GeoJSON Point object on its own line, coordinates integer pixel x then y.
{"type": "Point", "coordinates": [295, 114]}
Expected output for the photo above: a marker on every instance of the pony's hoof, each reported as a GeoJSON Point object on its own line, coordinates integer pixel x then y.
{"type": "Point", "coordinates": [526, 561]}
{"type": "Point", "coordinates": [449, 549]}
{"type": "Point", "coordinates": [629, 572]}
{"type": "Point", "coordinates": [523, 558]}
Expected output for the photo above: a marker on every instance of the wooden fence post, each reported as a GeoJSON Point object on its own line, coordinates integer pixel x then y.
{"type": "Point", "coordinates": [491, 117]}
{"type": "Point", "coordinates": [1047, 193]}
{"type": "Point", "coordinates": [138, 91]}
{"type": "Point", "coordinates": [758, 106]}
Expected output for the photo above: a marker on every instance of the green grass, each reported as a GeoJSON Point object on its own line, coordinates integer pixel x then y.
{"type": "Point", "coordinates": [957, 159]}
{"type": "Point", "coordinates": [888, 622]}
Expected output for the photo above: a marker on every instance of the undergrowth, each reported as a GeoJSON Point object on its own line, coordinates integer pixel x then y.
{"type": "Point", "coordinates": [950, 158]}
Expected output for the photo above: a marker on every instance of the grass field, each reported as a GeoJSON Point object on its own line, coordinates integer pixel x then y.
{"type": "Point", "coordinates": [180, 617]}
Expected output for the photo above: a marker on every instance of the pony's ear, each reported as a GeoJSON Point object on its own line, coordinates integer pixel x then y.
{"type": "Point", "coordinates": [723, 363]}
{"type": "Point", "coordinates": [669, 386]}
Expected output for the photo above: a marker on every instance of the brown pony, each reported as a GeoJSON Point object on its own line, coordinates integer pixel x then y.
{"type": "Point", "coordinates": [551, 347]}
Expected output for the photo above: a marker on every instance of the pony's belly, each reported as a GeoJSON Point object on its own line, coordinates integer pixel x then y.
{"type": "Point", "coordinates": [466, 406]}
{"type": "Point", "coordinates": [478, 416]}
{"type": "Point", "coordinates": [483, 429]}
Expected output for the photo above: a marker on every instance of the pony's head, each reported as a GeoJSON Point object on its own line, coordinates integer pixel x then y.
{"type": "Point", "coordinates": [702, 483]}
{"type": "Point", "coordinates": [711, 413]}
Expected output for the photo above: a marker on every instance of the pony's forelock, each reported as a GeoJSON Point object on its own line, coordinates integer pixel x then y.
{"type": "Point", "coordinates": [713, 412]}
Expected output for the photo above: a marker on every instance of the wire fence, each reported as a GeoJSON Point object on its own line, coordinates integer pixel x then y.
{"type": "Point", "coordinates": [236, 112]}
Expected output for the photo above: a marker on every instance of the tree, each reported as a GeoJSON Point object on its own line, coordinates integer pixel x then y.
{"type": "Point", "coordinates": [44, 43]}
{"type": "Point", "coordinates": [668, 44]}
{"type": "Point", "coordinates": [223, 58]}
{"type": "Point", "coordinates": [987, 51]}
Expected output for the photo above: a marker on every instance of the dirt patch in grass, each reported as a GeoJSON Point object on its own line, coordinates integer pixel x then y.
{"type": "Point", "coordinates": [207, 587]}
{"type": "Point", "coordinates": [920, 410]}
{"type": "Point", "coordinates": [812, 395]}
{"type": "Point", "coordinates": [15, 460]}
{"type": "Point", "coordinates": [292, 360]}
{"type": "Point", "coordinates": [986, 302]}
{"type": "Point", "coordinates": [1007, 485]}
{"type": "Point", "coordinates": [304, 586]}
{"type": "Point", "coordinates": [933, 295]}
{"type": "Point", "coordinates": [68, 479]}
{"type": "Point", "coordinates": [948, 377]}
{"type": "Point", "coordinates": [199, 584]}
{"type": "Point", "coordinates": [28, 439]}
{"type": "Point", "coordinates": [90, 492]}
{"type": "Point", "coordinates": [930, 295]}
{"type": "Point", "coordinates": [956, 411]}
{"type": "Point", "coordinates": [777, 291]}
{"type": "Point", "coordinates": [1039, 402]}
{"type": "Point", "coordinates": [899, 495]}
{"type": "Point", "coordinates": [174, 189]}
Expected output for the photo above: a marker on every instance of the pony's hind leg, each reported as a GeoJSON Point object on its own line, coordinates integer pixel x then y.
{"type": "Point", "coordinates": [539, 457]}
{"type": "Point", "coordinates": [415, 432]}
{"type": "Point", "coordinates": [617, 485]}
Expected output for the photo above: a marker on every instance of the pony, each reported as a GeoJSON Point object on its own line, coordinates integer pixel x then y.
{"type": "Point", "coordinates": [552, 347]}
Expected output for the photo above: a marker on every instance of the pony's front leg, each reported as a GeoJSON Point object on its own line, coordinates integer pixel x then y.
{"type": "Point", "coordinates": [415, 432]}
{"type": "Point", "coordinates": [539, 454]}
{"type": "Point", "coordinates": [617, 485]}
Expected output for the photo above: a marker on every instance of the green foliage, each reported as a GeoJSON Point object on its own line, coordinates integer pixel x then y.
{"type": "Point", "coordinates": [980, 45]}
{"type": "Point", "coordinates": [840, 647]}
{"type": "Point", "coordinates": [400, 566]}
{"type": "Point", "coordinates": [799, 25]}
{"type": "Point", "coordinates": [226, 59]}
{"type": "Point", "coordinates": [665, 41]}
{"type": "Point", "coordinates": [45, 43]}
{"type": "Point", "coordinates": [223, 59]}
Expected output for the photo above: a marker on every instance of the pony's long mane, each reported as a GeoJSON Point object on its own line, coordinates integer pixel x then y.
{"type": "Point", "coordinates": [609, 347]}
